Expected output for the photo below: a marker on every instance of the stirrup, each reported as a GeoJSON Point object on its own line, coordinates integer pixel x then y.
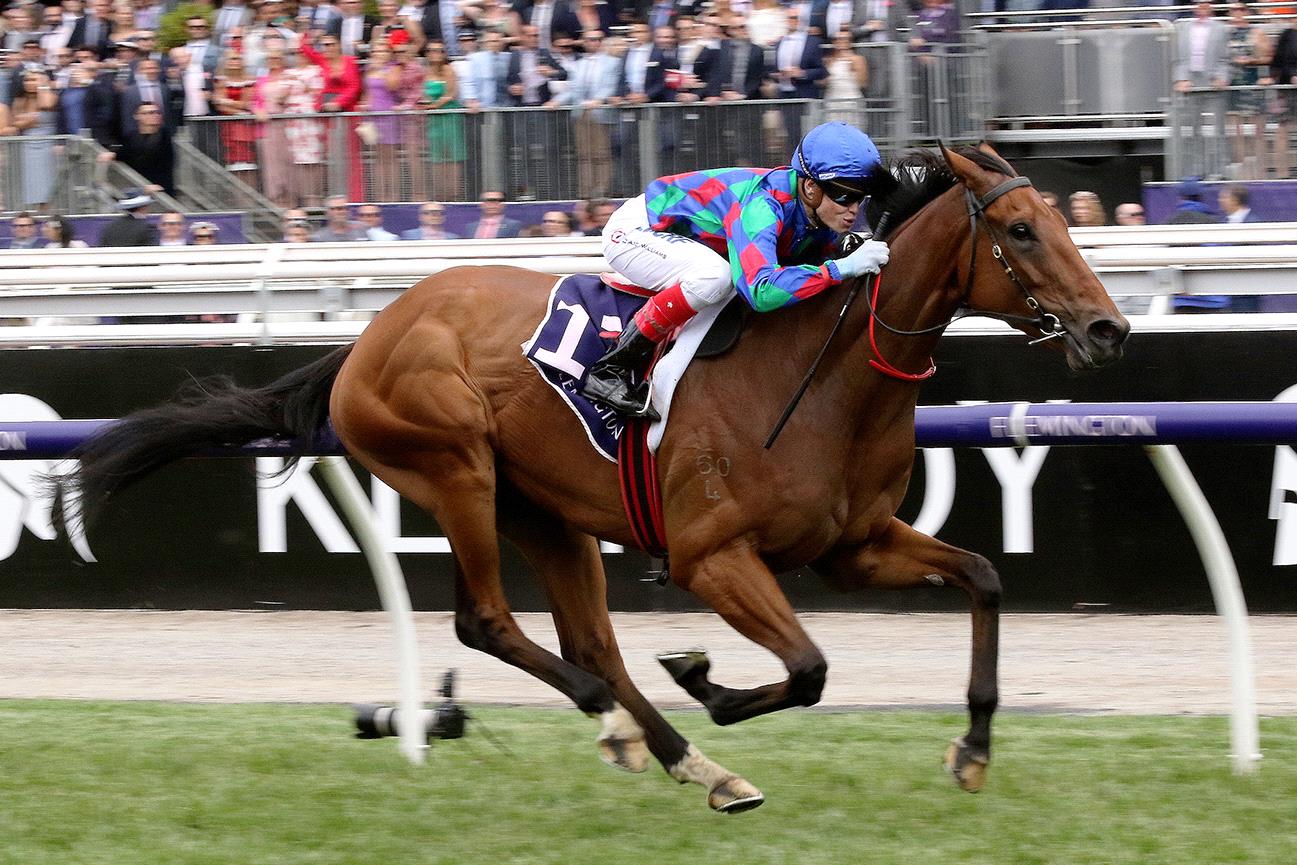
{"type": "Point", "coordinates": [614, 392]}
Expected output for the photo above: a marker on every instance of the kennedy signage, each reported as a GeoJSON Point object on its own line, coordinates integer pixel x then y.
{"type": "Point", "coordinates": [1068, 527]}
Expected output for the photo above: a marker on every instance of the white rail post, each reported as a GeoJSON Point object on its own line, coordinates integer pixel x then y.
{"type": "Point", "coordinates": [1245, 736]}
{"type": "Point", "coordinates": [395, 597]}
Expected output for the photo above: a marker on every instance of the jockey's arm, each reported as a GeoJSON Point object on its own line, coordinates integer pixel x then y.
{"type": "Point", "coordinates": [754, 259]}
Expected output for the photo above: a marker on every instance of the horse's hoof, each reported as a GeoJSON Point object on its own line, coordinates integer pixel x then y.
{"type": "Point", "coordinates": [968, 769]}
{"type": "Point", "coordinates": [630, 755]}
{"type": "Point", "coordinates": [684, 665]}
{"type": "Point", "coordinates": [734, 795]}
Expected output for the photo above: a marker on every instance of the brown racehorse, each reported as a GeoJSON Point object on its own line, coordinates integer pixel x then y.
{"type": "Point", "coordinates": [436, 399]}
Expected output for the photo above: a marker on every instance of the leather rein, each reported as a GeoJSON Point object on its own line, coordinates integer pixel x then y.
{"type": "Point", "coordinates": [1046, 322]}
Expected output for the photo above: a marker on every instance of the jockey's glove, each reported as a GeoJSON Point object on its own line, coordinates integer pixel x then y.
{"type": "Point", "coordinates": [869, 257]}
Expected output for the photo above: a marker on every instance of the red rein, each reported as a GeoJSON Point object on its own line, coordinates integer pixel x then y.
{"type": "Point", "coordinates": [880, 363]}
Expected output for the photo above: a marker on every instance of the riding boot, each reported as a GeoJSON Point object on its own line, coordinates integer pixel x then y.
{"type": "Point", "coordinates": [611, 380]}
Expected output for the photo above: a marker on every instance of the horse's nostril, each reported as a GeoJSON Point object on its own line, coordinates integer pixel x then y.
{"type": "Point", "coordinates": [1108, 332]}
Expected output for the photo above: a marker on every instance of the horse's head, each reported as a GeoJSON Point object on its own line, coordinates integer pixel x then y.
{"type": "Point", "coordinates": [1024, 266]}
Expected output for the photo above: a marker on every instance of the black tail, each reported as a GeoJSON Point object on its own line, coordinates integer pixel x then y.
{"type": "Point", "coordinates": [207, 413]}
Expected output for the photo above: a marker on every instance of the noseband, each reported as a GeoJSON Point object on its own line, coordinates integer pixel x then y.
{"type": "Point", "coordinates": [1046, 322]}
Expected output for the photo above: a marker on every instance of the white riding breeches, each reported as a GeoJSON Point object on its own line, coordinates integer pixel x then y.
{"type": "Point", "coordinates": [657, 260]}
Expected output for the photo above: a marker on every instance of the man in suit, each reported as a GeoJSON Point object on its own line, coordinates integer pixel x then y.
{"type": "Point", "coordinates": [591, 88]}
{"type": "Point", "coordinates": [1202, 61]}
{"type": "Point", "coordinates": [735, 78]}
{"type": "Point", "coordinates": [93, 28]}
{"type": "Point", "coordinates": [132, 228]}
{"type": "Point", "coordinates": [24, 233]}
{"type": "Point", "coordinates": [549, 17]}
{"type": "Point", "coordinates": [352, 28]}
{"type": "Point", "coordinates": [440, 22]}
{"type": "Point", "coordinates": [486, 83]}
{"type": "Point", "coordinates": [201, 50]}
{"type": "Point", "coordinates": [1235, 203]}
{"type": "Point", "coordinates": [432, 222]}
{"type": "Point", "coordinates": [231, 16]}
{"type": "Point", "coordinates": [149, 87]}
{"type": "Point", "coordinates": [492, 222]}
{"type": "Point", "coordinates": [533, 134]}
{"type": "Point", "coordinates": [797, 70]}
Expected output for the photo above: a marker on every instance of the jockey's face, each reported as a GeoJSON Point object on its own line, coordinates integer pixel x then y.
{"type": "Point", "coordinates": [830, 214]}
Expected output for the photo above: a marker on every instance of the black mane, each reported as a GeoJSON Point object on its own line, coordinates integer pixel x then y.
{"type": "Point", "coordinates": [920, 176]}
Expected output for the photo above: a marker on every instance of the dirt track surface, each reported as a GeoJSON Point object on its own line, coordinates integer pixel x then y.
{"type": "Point", "coordinates": [1053, 663]}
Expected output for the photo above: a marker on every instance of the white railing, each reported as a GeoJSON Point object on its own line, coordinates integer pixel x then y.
{"type": "Point", "coordinates": [271, 287]}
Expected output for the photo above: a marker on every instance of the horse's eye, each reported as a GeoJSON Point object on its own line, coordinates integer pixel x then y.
{"type": "Point", "coordinates": [1020, 231]}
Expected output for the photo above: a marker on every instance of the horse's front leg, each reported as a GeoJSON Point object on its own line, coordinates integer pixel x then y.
{"type": "Point", "coordinates": [904, 558]}
{"type": "Point", "coordinates": [736, 584]}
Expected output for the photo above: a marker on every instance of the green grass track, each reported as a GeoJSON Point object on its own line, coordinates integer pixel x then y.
{"type": "Point", "coordinates": [175, 784]}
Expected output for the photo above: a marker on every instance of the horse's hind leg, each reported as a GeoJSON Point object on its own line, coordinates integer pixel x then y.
{"type": "Point", "coordinates": [571, 569]}
{"type": "Point", "coordinates": [904, 558]}
{"type": "Point", "coordinates": [457, 486]}
{"type": "Point", "coordinates": [738, 586]}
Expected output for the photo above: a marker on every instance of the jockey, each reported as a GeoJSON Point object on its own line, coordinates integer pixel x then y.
{"type": "Point", "coordinates": [695, 239]}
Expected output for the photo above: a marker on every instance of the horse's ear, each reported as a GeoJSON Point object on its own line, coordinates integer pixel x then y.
{"type": "Point", "coordinates": [985, 147]}
{"type": "Point", "coordinates": [960, 166]}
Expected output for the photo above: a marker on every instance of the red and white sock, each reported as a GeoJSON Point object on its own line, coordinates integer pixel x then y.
{"type": "Point", "coordinates": [664, 312]}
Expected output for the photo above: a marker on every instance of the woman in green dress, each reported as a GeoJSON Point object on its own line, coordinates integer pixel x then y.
{"type": "Point", "coordinates": [445, 130]}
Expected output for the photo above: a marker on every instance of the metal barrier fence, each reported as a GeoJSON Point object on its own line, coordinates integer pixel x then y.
{"type": "Point", "coordinates": [1241, 133]}
{"type": "Point", "coordinates": [563, 153]}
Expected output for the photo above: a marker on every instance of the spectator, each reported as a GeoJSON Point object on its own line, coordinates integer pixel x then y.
{"type": "Point", "coordinates": [371, 220]}
{"type": "Point", "coordinates": [55, 34]}
{"type": "Point", "coordinates": [297, 231]}
{"type": "Point", "coordinates": [1051, 198]}
{"type": "Point", "coordinates": [1086, 209]}
{"type": "Point", "coordinates": [315, 15]}
{"type": "Point", "coordinates": [58, 233]}
{"type": "Point", "coordinates": [409, 99]}
{"type": "Point", "coordinates": [1131, 213]}
{"type": "Point", "coordinates": [1202, 61]}
{"type": "Point", "coordinates": [600, 212]}
{"type": "Point", "coordinates": [798, 70]}
{"type": "Point", "coordinates": [432, 220]}
{"type": "Point", "coordinates": [767, 23]}
{"type": "Point", "coordinates": [1235, 202]}
{"type": "Point", "coordinates": [231, 19]}
{"type": "Point", "coordinates": [149, 150]}
{"type": "Point", "coordinates": [341, 92]}
{"type": "Point", "coordinates": [882, 20]}
{"type": "Point", "coordinates": [171, 230]}
{"type": "Point", "coordinates": [232, 97]}
{"type": "Point", "coordinates": [394, 29]}
{"type": "Point", "coordinates": [1283, 70]}
{"type": "Point", "coordinates": [201, 52]}
{"type": "Point", "coordinates": [446, 151]}
{"type": "Point", "coordinates": [581, 221]}
{"type": "Point", "coordinates": [123, 24]}
{"type": "Point", "coordinates": [351, 28]}
{"type": "Point", "coordinates": [1191, 209]}
{"type": "Point", "coordinates": [634, 76]}
{"type": "Point", "coordinates": [146, 88]}
{"type": "Point", "coordinates": [555, 223]}
{"type": "Point", "coordinates": [75, 106]}
{"type": "Point", "coordinates": [148, 14]}
{"type": "Point", "coordinates": [593, 86]}
{"type": "Point", "coordinates": [487, 72]}
{"type": "Point", "coordinates": [546, 19]}
{"type": "Point", "coordinates": [24, 236]}
{"type": "Point", "coordinates": [338, 225]}
{"type": "Point", "coordinates": [295, 214]}
{"type": "Point", "coordinates": [533, 135]}
{"type": "Point", "coordinates": [440, 22]}
{"type": "Point", "coordinates": [269, 27]}
{"type": "Point", "coordinates": [382, 93]}
{"type": "Point", "coordinates": [492, 222]}
{"type": "Point", "coordinates": [132, 228]}
{"type": "Point", "coordinates": [497, 16]}
{"type": "Point", "coordinates": [305, 132]}
{"type": "Point", "coordinates": [34, 114]}
{"type": "Point", "coordinates": [93, 28]}
{"type": "Point", "coordinates": [204, 233]}
{"type": "Point", "coordinates": [848, 76]}
{"type": "Point", "coordinates": [1249, 51]}
{"type": "Point", "coordinates": [270, 95]}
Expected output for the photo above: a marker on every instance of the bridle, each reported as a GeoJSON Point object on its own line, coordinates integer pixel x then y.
{"type": "Point", "coordinates": [1046, 322]}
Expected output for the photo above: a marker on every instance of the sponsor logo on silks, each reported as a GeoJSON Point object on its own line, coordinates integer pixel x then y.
{"type": "Point", "coordinates": [26, 500]}
{"type": "Point", "coordinates": [617, 236]}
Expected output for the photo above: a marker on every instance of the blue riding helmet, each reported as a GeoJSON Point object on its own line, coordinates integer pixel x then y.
{"type": "Point", "coordinates": [837, 152]}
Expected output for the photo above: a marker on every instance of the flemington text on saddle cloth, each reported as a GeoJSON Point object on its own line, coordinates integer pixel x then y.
{"type": "Point", "coordinates": [569, 340]}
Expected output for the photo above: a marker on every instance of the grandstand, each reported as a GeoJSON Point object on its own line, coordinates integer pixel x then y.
{"type": "Point", "coordinates": [281, 105]}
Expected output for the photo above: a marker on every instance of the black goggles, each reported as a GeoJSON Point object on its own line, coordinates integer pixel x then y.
{"type": "Point", "coordinates": [842, 195]}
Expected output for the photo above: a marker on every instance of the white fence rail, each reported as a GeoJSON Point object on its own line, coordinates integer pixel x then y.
{"type": "Point", "coordinates": [272, 287]}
